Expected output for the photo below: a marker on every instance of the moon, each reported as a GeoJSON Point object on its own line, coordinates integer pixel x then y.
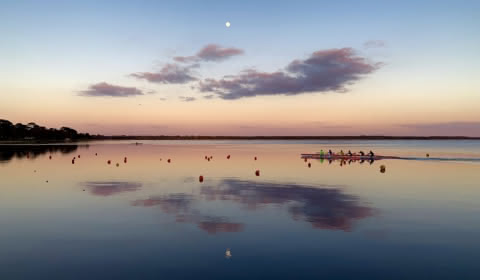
{"type": "Point", "coordinates": [227, 24]}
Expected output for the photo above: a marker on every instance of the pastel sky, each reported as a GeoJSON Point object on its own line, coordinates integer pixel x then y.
{"type": "Point", "coordinates": [281, 68]}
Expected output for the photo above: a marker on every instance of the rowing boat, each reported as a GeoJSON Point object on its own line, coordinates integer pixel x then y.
{"type": "Point", "coordinates": [347, 157]}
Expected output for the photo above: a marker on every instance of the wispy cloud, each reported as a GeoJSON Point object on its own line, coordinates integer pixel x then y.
{"type": "Point", "coordinates": [187, 98]}
{"type": "Point", "coordinates": [326, 70]}
{"type": "Point", "coordinates": [105, 89]}
{"type": "Point", "coordinates": [171, 73]}
{"type": "Point", "coordinates": [374, 44]}
{"type": "Point", "coordinates": [211, 52]}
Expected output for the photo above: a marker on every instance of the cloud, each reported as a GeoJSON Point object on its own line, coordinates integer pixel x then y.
{"type": "Point", "coordinates": [171, 73]}
{"type": "Point", "coordinates": [374, 44]}
{"type": "Point", "coordinates": [187, 98]}
{"type": "Point", "coordinates": [326, 70]}
{"type": "Point", "coordinates": [104, 89]}
{"type": "Point", "coordinates": [111, 188]}
{"type": "Point", "coordinates": [211, 52]}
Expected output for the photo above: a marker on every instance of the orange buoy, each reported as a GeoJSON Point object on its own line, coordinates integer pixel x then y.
{"type": "Point", "coordinates": [78, 156]}
{"type": "Point", "coordinates": [73, 161]}
{"type": "Point", "coordinates": [118, 164]}
{"type": "Point", "coordinates": [309, 165]}
{"type": "Point", "coordinates": [50, 157]}
{"type": "Point", "coordinates": [109, 161]}
{"type": "Point", "coordinates": [382, 168]}
{"type": "Point", "coordinates": [206, 157]}
{"type": "Point", "coordinates": [200, 179]}
{"type": "Point", "coordinates": [257, 173]}
{"type": "Point", "coordinates": [125, 160]}
{"type": "Point", "coordinates": [228, 157]}
{"type": "Point", "coordinates": [168, 160]}
{"type": "Point", "coordinates": [96, 154]}
{"type": "Point", "coordinates": [255, 158]}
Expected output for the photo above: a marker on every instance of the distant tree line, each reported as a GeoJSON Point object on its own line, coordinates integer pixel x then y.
{"type": "Point", "coordinates": [33, 132]}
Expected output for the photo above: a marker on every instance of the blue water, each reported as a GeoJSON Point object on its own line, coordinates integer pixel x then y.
{"type": "Point", "coordinates": [150, 219]}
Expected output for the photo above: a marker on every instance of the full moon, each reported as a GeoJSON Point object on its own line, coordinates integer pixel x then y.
{"type": "Point", "coordinates": [227, 24]}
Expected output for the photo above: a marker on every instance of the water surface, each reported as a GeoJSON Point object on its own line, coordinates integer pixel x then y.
{"type": "Point", "coordinates": [150, 219]}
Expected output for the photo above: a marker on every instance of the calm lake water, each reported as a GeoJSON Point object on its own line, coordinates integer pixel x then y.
{"type": "Point", "coordinates": [151, 219]}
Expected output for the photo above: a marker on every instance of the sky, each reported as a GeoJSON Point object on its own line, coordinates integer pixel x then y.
{"type": "Point", "coordinates": [281, 68]}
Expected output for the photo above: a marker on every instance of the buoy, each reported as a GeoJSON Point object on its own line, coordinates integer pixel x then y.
{"type": "Point", "coordinates": [206, 157]}
{"type": "Point", "coordinates": [73, 161]}
{"type": "Point", "coordinates": [118, 164]}
{"type": "Point", "coordinates": [428, 155]}
{"type": "Point", "coordinates": [200, 179]}
{"type": "Point", "coordinates": [125, 160]}
{"type": "Point", "coordinates": [168, 160]}
{"type": "Point", "coordinates": [382, 168]}
{"type": "Point", "coordinates": [96, 154]}
{"type": "Point", "coordinates": [49, 157]}
{"type": "Point", "coordinates": [309, 165]}
{"type": "Point", "coordinates": [78, 156]}
{"type": "Point", "coordinates": [228, 253]}
{"type": "Point", "coordinates": [46, 181]}
{"type": "Point", "coordinates": [257, 173]}
{"type": "Point", "coordinates": [255, 158]}
{"type": "Point", "coordinates": [109, 161]}
{"type": "Point", "coordinates": [83, 190]}
{"type": "Point", "coordinates": [228, 157]}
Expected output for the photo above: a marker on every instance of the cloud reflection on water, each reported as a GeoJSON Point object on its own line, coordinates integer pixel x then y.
{"type": "Point", "coordinates": [182, 206]}
{"type": "Point", "coordinates": [325, 208]}
{"type": "Point", "coordinates": [111, 188]}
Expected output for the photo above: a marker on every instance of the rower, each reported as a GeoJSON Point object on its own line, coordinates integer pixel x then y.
{"type": "Point", "coordinates": [341, 153]}
{"type": "Point", "coordinates": [349, 153]}
{"type": "Point", "coordinates": [362, 153]}
{"type": "Point", "coordinates": [371, 154]}
{"type": "Point", "coordinates": [330, 153]}
{"type": "Point", "coordinates": [322, 154]}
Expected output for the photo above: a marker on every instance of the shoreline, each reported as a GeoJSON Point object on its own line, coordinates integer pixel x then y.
{"type": "Point", "coordinates": [200, 138]}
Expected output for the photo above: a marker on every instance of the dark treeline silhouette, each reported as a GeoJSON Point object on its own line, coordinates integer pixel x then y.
{"type": "Point", "coordinates": [8, 152]}
{"type": "Point", "coordinates": [34, 132]}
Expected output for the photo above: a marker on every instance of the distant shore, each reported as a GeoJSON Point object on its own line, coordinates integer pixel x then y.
{"type": "Point", "coordinates": [360, 137]}
{"type": "Point", "coordinates": [292, 138]}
